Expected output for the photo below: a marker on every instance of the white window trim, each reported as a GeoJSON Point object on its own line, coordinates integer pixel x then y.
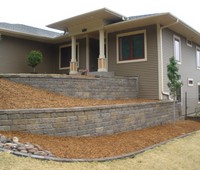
{"type": "Point", "coordinates": [67, 45]}
{"type": "Point", "coordinates": [145, 46]}
{"type": "Point", "coordinates": [188, 44]}
{"type": "Point", "coordinates": [197, 49]}
{"type": "Point", "coordinates": [198, 84]}
{"type": "Point", "coordinates": [190, 79]}
{"type": "Point", "coordinates": [178, 38]}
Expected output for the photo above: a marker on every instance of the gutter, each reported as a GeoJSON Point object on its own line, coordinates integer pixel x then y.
{"type": "Point", "coordinates": [161, 57]}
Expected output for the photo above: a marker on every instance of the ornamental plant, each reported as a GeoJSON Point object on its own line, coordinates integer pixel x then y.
{"type": "Point", "coordinates": [34, 58]}
{"type": "Point", "coordinates": [174, 83]}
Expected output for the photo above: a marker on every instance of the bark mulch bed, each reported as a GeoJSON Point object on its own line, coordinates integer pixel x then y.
{"type": "Point", "coordinates": [107, 146]}
{"type": "Point", "coordinates": [20, 96]}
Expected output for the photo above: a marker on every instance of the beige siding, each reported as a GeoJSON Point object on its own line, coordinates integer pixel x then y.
{"type": "Point", "coordinates": [13, 53]}
{"type": "Point", "coordinates": [187, 68]}
{"type": "Point", "coordinates": [147, 71]}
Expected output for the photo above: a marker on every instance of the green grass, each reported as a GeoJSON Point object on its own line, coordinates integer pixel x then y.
{"type": "Point", "coordinates": [181, 154]}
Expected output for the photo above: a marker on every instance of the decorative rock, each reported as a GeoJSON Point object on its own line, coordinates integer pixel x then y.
{"type": "Point", "coordinates": [21, 148]}
{"type": "Point", "coordinates": [15, 139]}
{"type": "Point", "coordinates": [38, 147]}
{"type": "Point", "coordinates": [33, 151]}
{"type": "Point", "coordinates": [11, 145]}
{"type": "Point", "coordinates": [23, 151]}
{"type": "Point", "coordinates": [29, 146]}
{"type": "Point", "coordinates": [3, 139]}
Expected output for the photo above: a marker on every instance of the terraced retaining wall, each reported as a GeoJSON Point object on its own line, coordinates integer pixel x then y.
{"type": "Point", "coordinates": [111, 87]}
{"type": "Point", "coordinates": [88, 121]}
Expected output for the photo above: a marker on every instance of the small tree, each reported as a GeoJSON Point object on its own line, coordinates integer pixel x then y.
{"type": "Point", "coordinates": [174, 83]}
{"type": "Point", "coordinates": [34, 58]}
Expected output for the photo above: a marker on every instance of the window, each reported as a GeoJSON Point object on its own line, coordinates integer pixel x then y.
{"type": "Point", "coordinates": [198, 85]}
{"type": "Point", "coordinates": [189, 43]}
{"type": "Point", "coordinates": [177, 49]}
{"type": "Point", "coordinates": [65, 56]}
{"type": "Point", "coordinates": [198, 57]}
{"type": "Point", "coordinates": [178, 95]}
{"type": "Point", "coordinates": [190, 82]}
{"type": "Point", "coordinates": [131, 47]}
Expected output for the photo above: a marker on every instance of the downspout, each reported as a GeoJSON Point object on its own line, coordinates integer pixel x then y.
{"type": "Point", "coordinates": [161, 57]}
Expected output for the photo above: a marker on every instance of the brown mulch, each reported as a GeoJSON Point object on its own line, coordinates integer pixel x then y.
{"type": "Point", "coordinates": [106, 146]}
{"type": "Point", "coordinates": [20, 96]}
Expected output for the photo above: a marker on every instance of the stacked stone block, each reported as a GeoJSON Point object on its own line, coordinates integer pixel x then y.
{"type": "Point", "coordinates": [83, 87]}
{"type": "Point", "coordinates": [90, 121]}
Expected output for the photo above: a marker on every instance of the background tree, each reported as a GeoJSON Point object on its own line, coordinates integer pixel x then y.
{"type": "Point", "coordinates": [174, 83]}
{"type": "Point", "coordinates": [34, 58]}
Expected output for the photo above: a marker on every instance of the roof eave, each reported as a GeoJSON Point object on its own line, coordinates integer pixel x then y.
{"type": "Point", "coordinates": [26, 36]}
{"type": "Point", "coordinates": [58, 25]}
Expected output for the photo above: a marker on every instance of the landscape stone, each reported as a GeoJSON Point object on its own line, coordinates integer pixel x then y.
{"type": "Point", "coordinates": [14, 145]}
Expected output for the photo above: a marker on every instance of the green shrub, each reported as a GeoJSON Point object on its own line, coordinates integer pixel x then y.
{"type": "Point", "coordinates": [34, 58]}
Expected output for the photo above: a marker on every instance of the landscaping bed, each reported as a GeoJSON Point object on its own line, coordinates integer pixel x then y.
{"type": "Point", "coordinates": [107, 146]}
{"type": "Point", "coordinates": [19, 96]}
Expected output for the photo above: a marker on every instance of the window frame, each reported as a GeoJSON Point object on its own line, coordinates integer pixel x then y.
{"type": "Point", "coordinates": [127, 34]}
{"type": "Point", "coordinates": [180, 96]}
{"type": "Point", "coordinates": [68, 45]}
{"type": "Point", "coordinates": [189, 43]}
{"type": "Point", "coordinates": [190, 79]}
{"type": "Point", "coordinates": [175, 37]}
{"type": "Point", "coordinates": [198, 64]}
{"type": "Point", "coordinates": [198, 92]}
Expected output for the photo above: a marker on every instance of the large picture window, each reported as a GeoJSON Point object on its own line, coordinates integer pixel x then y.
{"type": "Point", "coordinates": [65, 56]}
{"type": "Point", "coordinates": [177, 49]}
{"type": "Point", "coordinates": [131, 47]}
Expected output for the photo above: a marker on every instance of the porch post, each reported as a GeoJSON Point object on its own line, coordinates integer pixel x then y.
{"type": "Point", "coordinates": [101, 59]}
{"type": "Point", "coordinates": [73, 63]}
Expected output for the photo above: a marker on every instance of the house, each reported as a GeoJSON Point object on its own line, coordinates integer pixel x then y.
{"type": "Point", "coordinates": [105, 41]}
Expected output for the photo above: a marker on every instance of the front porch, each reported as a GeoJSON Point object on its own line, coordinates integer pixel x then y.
{"type": "Point", "coordinates": [84, 54]}
{"type": "Point", "coordinates": [90, 54]}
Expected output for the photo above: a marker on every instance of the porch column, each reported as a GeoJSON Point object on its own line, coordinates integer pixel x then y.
{"type": "Point", "coordinates": [73, 63]}
{"type": "Point", "coordinates": [101, 59]}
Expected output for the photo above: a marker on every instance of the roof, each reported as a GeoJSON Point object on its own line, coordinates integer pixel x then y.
{"type": "Point", "coordinates": [104, 15]}
{"type": "Point", "coordinates": [163, 19]}
{"type": "Point", "coordinates": [28, 30]}
{"type": "Point", "coordinates": [100, 19]}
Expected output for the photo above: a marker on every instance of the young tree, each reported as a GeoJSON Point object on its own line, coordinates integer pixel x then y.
{"type": "Point", "coordinates": [34, 58]}
{"type": "Point", "coordinates": [174, 83]}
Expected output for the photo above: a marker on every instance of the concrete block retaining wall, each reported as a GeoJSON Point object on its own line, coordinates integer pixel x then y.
{"type": "Point", "coordinates": [88, 121]}
{"type": "Point", "coordinates": [82, 87]}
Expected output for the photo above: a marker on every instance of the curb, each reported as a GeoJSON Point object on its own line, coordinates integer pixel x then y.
{"type": "Point", "coordinates": [129, 155]}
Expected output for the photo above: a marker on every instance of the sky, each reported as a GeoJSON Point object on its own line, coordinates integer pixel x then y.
{"type": "Point", "coordinates": [39, 13]}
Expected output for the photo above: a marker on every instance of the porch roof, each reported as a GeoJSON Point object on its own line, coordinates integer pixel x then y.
{"type": "Point", "coordinates": [104, 15]}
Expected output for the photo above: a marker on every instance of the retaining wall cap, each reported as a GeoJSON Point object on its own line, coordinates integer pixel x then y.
{"type": "Point", "coordinates": [47, 110]}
